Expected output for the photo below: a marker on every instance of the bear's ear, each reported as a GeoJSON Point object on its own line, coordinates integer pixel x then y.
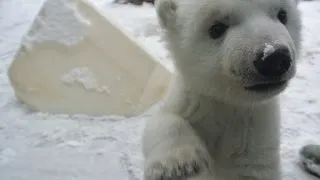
{"type": "Point", "coordinates": [166, 11]}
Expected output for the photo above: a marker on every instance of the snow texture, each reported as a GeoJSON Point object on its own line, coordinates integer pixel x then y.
{"type": "Point", "coordinates": [85, 77]}
{"type": "Point", "coordinates": [268, 49]}
{"type": "Point", "coordinates": [40, 146]}
{"type": "Point", "coordinates": [59, 21]}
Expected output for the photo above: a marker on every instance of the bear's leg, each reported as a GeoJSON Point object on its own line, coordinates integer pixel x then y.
{"type": "Point", "coordinates": [173, 151]}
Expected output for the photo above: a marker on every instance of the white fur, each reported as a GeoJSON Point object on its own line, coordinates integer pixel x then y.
{"type": "Point", "coordinates": [210, 127]}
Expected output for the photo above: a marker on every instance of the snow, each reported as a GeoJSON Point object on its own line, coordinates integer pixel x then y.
{"type": "Point", "coordinates": [268, 49]}
{"type": "Point", "coordinates": [85, 77]}
{"type": "Point", "coordinates": [56, 17]}
{"type": "Point", "coordinates": [38, 146]}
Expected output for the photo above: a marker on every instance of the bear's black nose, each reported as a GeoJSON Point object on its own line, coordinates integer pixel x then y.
{"type": "Point", "coordinates": [274, 64]}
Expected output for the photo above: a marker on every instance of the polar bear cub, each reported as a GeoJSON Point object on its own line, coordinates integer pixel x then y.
{"type": "Point", "coordinates": [220, 118]}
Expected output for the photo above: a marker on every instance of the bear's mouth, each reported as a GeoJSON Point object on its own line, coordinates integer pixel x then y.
{"type": "Point", "coordinates": [267, 86]}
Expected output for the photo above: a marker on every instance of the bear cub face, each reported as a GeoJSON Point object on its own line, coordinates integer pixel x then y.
{"type": "Point", "coordinates": [234, 50]}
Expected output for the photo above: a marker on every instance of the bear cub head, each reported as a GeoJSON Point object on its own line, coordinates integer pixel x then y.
{"type": "Point", "coordinates": [238, 51]}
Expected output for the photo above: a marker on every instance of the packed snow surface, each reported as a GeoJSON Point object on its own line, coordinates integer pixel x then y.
{"type": "Point", "coordinates": [60, 22]}
{"type": "Point", "coordinates": [39, 146]}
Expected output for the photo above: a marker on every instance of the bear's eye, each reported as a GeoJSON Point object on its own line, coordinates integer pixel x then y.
{"type": "Point", "coordinates": [217, 30]}
{"type": "Point", "coordinates": [282, 16]}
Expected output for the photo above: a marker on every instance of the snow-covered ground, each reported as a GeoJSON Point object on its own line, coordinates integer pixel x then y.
{"type": "Point", "coordinates": [39, 146]}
